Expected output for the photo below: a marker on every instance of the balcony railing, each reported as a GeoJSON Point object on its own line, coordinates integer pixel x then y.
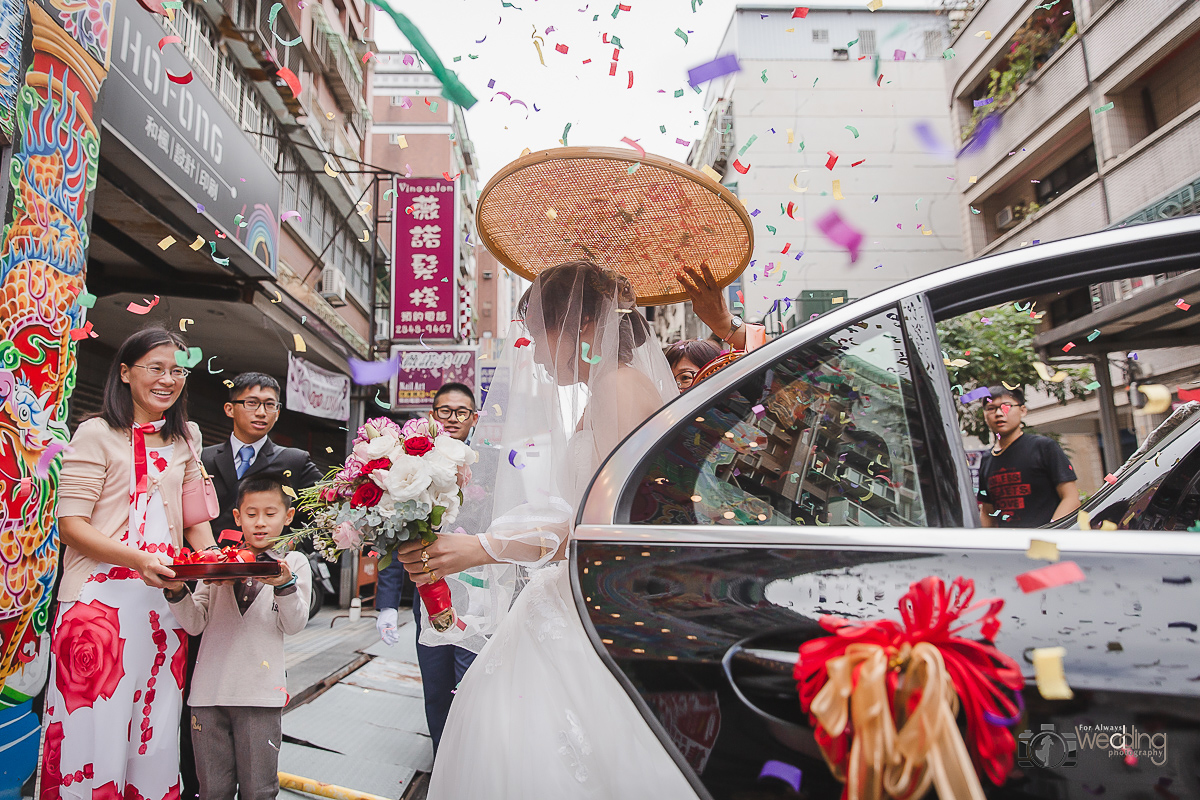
{"type": "Point", "coordinates": [338, 60]}
{"type": "Point", "coordinates": [1079, 210]}
{"type": "Point", "coordinates": [251, 20]}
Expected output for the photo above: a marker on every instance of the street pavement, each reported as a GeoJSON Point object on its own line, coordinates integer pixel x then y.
{"type": "Point", "coordinates": [357, 717]}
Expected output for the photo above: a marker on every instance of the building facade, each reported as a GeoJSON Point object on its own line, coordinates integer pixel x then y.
{"type": "Point", "coordinates": [861, 92]}
{"type": "Point", "coordinates": [1070, 119]}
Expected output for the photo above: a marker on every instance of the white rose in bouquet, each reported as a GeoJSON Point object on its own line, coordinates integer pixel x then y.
{"type": "Point", "coordinates": [408, 478]}
{"type": "Point", "coordinates": [452, 504]}
{"type": "Point", "coordinates": [381, 446]}
{"type": "Point", "coordinates": [455, 450]}
{"type": "Point", "coordinates": [442, 470]}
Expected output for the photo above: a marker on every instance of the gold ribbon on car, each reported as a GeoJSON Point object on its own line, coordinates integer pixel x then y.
{"type": "Point", "coordinates": [885, 762]}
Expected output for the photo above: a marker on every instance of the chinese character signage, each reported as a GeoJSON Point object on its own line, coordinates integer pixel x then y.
{"type": "Point", "coordinates": [424, 259]}
{"type": "Point", "coordinates": [184, 133]}
{"type": "Point", "coordinates": [422, 371]}
{"type": "Point", "coordinates": [317, 392]}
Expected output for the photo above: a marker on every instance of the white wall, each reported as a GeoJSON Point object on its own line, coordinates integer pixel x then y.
{"type": "Point", "coordinates": [896, 165]}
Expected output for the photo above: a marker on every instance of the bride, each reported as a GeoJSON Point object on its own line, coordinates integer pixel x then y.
{"type": "Point", "coordinates": [539, 715]}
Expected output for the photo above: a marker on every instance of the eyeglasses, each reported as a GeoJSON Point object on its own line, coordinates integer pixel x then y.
{"type": "Point", "coordinates": [157, 372]}
{"type": "Point", "coordinates": [446, 413]}
{"type": "Point", "coordinates": [270, 406]}
{"type": "Point", "coordinates": [684, 380]}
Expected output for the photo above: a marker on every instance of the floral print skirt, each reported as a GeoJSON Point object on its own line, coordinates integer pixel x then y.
{"type": "Point", "coordinates": [115, 695]}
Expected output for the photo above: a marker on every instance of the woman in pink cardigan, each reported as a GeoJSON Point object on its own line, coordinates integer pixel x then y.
{"type": "Point", "coordinates": [111, 726]}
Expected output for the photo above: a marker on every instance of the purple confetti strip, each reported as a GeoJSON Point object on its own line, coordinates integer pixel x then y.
{"type": "Point", "coordinates": [975, 394]}
{"type": "Point", "coordinates": [713, 69]}
{"type": "Point", "coordinates": [682, 142]}
{"type": "Point", "coordinates": [1004, 722]}
{"type": "Point", "coordinates": [840, 232]}
{"type": "Point", "coordinates": [368, 373]}
{"type": "Point", "coordinates": [785, 772]}
{"type": "Point", "coordinates": [930, 141]}
{"type": "Point", "coordinates": [492, 82]}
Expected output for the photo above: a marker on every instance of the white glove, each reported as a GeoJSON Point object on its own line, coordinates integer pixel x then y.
{"type": "Point", "coordinates": [385, 623]}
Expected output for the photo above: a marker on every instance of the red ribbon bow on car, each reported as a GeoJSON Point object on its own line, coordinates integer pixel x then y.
{"type": "Point", "coordinates": [866, 678]}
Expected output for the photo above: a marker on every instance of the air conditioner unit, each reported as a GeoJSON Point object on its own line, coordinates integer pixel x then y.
{"type": "Point", "coordinates": [333, 286]}
{"type": "Point", "coordinates": [1005, 218]}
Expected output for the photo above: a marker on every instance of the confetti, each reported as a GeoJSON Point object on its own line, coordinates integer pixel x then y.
{"type": "Point", "coordinates": [833, 157]}
{"type": "Point", "coordinates": [183, 323]}
{"type": "Point", "coordinates": [452, 88]}
{"type": "Point", "coordinates": [853, 130]}
{"type": "Point", "coordinates": [86, 299]}
{"type": "Point", "coordinates": [289, 78]}
{"type": "Point", "coordinates": [286, 215]}
{"type": "Point", "coordinates": [522, 342]}
{"type": "Point", "coordinates": [1093, 335]}
{"type": "Point", "coordinates": [1049, 577]}
{"type": "Point", "coordinates": [401, 142]}
{"type": "Point", "coordinates": [298, 340]}
{"type": "Point", "coordinates": [560, 47]}
{"type": "Point", "coordinates": [1103, 108]}
{"type": "Point", "coordinates": [1181, 305]}
{"type": "Point", "coordinates": [190, 358]}
{"type": "Point", "coordinates": [840, 232]}
{"type": "Point", "coordinates": [212, 371]}
{"type": "Point", "coordinates": [584, 347]}
{"type": "Point", "coordinates": [679, 32]}
{"type": "Point", "coordinates": [134, 308]}
{"type": "Point", "coordinates": [753, 138]}
{"type": "Point", "coordinates": [512, 459]}
{"type": "Point", "coordinates": [710, 172]}
{"type": "Point", "coordinates": [1040, 550]}
{"type": "Point", "coordinates": [874, 5]}
{"type": "Point", "coordinates": [1048, 671]}
{"type": "Point", "coordinates": [737, 164]}
{"type": "Point", "coordinates": [713, 69]}
{"type": "Point", "coordinates": [837, 191]}
{"type": "Point", "coordinates": [948, 53]}
{"type": "Point", "coordinates": [566, 130]}
{"type": "Point", "coordinates": [799, 13]}
{"type": "Point", "coordinates": [984, 34]}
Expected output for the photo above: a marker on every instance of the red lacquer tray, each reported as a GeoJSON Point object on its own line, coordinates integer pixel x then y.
{"type": "Point", "coordinates": [226, 570]}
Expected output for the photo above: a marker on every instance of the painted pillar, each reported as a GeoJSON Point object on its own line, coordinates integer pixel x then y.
{"type": "Point", "coordinates": [43, 258]}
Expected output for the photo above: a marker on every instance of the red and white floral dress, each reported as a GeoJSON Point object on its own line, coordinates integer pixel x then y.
{"type": "Point", "coordinates": [118, 658]}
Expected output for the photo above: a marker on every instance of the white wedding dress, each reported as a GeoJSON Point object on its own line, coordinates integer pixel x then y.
{"type": "Point", "coordinates": [539, 715]}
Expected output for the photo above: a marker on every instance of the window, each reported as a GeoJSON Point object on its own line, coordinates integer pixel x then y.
{"type": "Point", "coordinates": [866, 43]}
{"type": "Point", "coordinates": [828, 435]}
{"type": "Point", "coordinates": [841, 54]}
{"type": "Point", "coordinates": [934, 44]}
{"type": "Point", "coordinates": [398, 99]}
{"type": "Point", "coordinates": [820, 36]}
{"type": "Point", "coordinates": [1077, 169]}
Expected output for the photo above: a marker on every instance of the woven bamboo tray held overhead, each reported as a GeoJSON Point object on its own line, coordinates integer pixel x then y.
{"type": "Point", "coordinates": [583, 204]}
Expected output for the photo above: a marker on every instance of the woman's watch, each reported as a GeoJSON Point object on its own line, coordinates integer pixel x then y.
{"type": "Point", "coordinates": [734, 323]}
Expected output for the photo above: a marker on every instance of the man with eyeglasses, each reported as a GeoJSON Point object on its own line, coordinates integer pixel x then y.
{"type": "Point", "coordinates": [254, 408]}
{"type": "Point", "coordinates": [444, 666]}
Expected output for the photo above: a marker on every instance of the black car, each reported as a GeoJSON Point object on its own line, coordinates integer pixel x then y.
{"type": "Point", "coordinates": [823, 475]}
{"type": "Point", "coordinates": [1158, 487]}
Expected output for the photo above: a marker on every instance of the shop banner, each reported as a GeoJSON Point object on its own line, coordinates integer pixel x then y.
{"type": "Point", "coordinates": [423, 371]}
{"type": "Point", "coordinates": [186, 135]}
{"type": "Point", "coordinates": [424, 259]}
{"type": "Point", "coordinates": [317, 392]}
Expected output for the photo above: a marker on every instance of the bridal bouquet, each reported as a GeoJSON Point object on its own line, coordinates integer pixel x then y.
{"type": "Point", "coordinates": [400, 483]}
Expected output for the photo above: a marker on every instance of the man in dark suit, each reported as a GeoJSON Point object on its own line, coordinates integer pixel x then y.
{"type": "Point", "coordinates": [254, 408]}
{"type": "Point", "coordinates": [442, 667]}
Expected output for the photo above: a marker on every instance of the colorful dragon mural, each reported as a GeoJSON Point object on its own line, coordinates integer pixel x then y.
{"type": "Point", "coordinates": [43, 257]}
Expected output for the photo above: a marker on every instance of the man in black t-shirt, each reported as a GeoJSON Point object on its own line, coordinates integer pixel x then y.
{"type": "Point", "coordinates": [1026, 480]}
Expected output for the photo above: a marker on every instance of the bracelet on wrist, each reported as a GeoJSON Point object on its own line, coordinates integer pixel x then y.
{"type": "Point", "coordinates": [291, 582]}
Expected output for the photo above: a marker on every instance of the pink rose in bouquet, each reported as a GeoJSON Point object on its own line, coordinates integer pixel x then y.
{"type": "Point", "coordinates": [422, 428]}
{"type": "Point", "coordinates": [464, 475]}
{"type": "Point", "coordinates": [346, 536]}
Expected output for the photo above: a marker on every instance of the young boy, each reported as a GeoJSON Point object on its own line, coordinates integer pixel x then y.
{"type": "Point", "coordinates": [238, 690]}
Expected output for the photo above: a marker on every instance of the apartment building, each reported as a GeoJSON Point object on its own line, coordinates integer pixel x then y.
{"type": "Point", "coordinates": [857, 90]}
{"type": "Point", "coordinates": [1073, 117]}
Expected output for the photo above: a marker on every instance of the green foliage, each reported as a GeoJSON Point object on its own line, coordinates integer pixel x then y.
{"type": "Point", "coordinates": [999, 351]}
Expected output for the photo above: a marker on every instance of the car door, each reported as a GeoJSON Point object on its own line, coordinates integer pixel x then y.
{"type": "Point", "coordinates": [821, 475]}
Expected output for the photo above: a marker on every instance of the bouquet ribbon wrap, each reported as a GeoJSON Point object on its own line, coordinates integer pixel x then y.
{"type": "Point", "coordinates": [884, 698]}
{"type": "Point", "coordinates": [436, 599]}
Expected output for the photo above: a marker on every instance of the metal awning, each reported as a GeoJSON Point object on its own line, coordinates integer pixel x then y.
{"type": "Point", "coordinates": [1149, 320]}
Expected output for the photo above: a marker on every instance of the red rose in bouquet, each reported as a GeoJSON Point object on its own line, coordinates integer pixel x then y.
{"type": "Point", "coordinates": [366, 496]}
{"type": "Point", "coordinates": [88, 647]}
{"type": "Point", "coordinates": [379, 463]}
{"type": "Point", "coordinates": [418, 445]}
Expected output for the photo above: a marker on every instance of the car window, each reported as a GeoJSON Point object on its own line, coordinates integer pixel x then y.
{"type": "Point", "coordinates": [830, 434]}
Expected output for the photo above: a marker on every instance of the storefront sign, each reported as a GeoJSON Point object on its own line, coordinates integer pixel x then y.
{"type": "Point", "coordinates": [317, 392]}
{"type": "Point", "coordinates": [424, 259]}
{"type": "Point", "coordinates": [423, 371]}
{"type": "Point", "coordinates": [185, 134]}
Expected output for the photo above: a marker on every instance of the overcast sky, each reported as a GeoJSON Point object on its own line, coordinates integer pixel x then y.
{"type": "Point", "coordinates": [599, 107]}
